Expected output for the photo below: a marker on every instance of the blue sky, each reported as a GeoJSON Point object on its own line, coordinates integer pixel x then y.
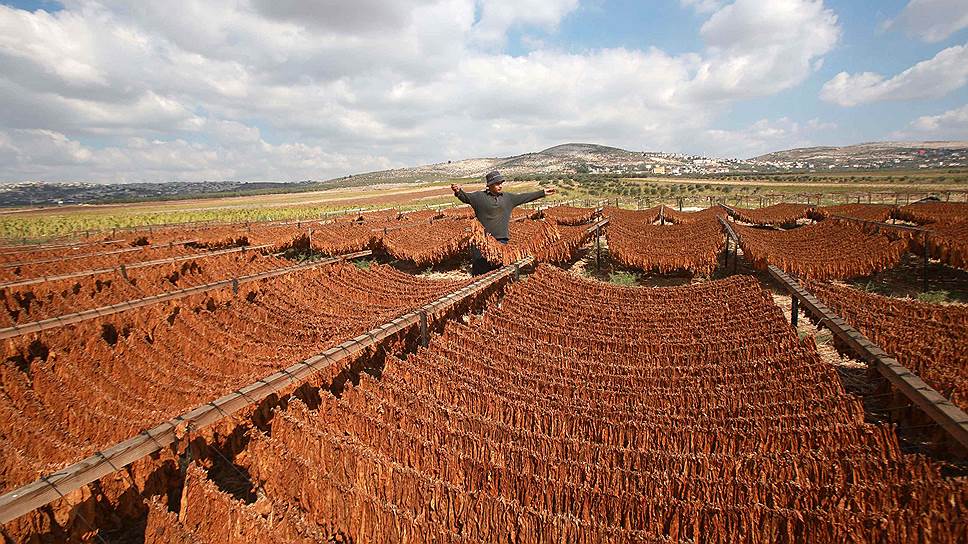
{"type": "Point", "coordinates": [124, 90]}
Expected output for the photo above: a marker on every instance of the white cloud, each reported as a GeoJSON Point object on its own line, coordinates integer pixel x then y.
{"type": "Point", "coordinates": [251, 89]}
{"type": "Point", "coordinates": [950, 125]}
{"type": "Point", "coordinates": [52, 156]}
{"type": "Point", "coordinates": [932, 78]}
{"type": "Point", "coordinates": [759, 48]}
{"type": "Point", "coordinates": [498, 16]}
{"type": "Point", "coordinates": [818, 125]}
{"type": "Point", "coordinates": [932, 20]}
{"type": "Point", "coordinates": [360, 16]}
{"type": "Point", "coordinates": [766, 135]}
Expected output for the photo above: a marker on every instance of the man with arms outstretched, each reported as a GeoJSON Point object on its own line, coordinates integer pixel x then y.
{"type": "Point", "coordinates": [492, 207]}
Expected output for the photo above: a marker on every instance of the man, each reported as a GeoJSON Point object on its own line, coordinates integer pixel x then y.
{"type": "Point", "coordinates": [492, 207]}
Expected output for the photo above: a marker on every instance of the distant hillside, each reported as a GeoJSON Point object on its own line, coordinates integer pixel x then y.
{"type": "Point", "coordinates": [576, 158]}
{"type": "Point", "coordinates": [875, 154]}
{"type": "Point", "coordinates": [561, 159]}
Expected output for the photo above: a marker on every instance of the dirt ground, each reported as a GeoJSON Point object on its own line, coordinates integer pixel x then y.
{"type": "Point", "coordinates": [907, 280]}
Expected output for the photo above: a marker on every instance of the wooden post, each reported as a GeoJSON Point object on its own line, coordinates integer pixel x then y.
{"type": "Point", "coordinates": [424, 335]}
{"type": "Point", "coordinates": [598, 248]}
{"type": "Point", "coordinates": [726, 252]}
{"type": "Point", "coordinates": [235, 286]}
{"type": "Point", "coordinates": [124, 273]}
{"type": "Point", "coordinates": [924, 254]}
{"type": "Point", "coordinates": [794, 311]}
{"type": "Point", "coordinates": [735, 254]}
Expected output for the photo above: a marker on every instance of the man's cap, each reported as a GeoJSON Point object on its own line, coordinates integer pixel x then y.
{"type": "Point", "coordinates": [493, 177]}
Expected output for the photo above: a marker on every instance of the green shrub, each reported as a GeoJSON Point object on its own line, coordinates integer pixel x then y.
{"type": "Point", "coordinates": [876, 288]}
{"type": "Point", "coordinates": [622, 278]}
{"type": "Point", "coordinates": [935, 297]}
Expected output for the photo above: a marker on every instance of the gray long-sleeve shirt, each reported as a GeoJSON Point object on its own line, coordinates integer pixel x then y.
{"type": "Point", "coordinates": [494, 211]}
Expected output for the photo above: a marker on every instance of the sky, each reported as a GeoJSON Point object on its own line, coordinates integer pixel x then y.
{"type": "Point", "coordinates": [287, 90]}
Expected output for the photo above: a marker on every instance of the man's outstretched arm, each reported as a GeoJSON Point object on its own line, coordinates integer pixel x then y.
{"type": "Point", "coordinates": [459, 193]}
{"type": "Point", "coordinates": [524, 198]}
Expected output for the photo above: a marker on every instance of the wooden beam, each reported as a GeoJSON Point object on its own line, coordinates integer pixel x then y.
{"type": "Point", "coordinates": [729, 229]}
{"type": "Point", "coordinates": [49, 488]}
{"type": "Point", "coordinates": [730, 210]}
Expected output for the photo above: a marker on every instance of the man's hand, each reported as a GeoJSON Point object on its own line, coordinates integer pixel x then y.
{"type": "Point", "coordinates": [456, 188]}
{"type": "Point", "coordinates": [550, 191]}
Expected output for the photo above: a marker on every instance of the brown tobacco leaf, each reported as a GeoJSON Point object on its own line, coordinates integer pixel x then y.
{"type": "Point", "coordinates": [564, 249]}
{"type": "Point", "coordinates": [528, 237]}
{"type": "Point", "coordinates": [460, 212]}
{"type": "Point", "coordinates": [676, 217]}
{"type": "Point", "coordinates": [71, 391]}
{"type": "Point", "coordinates": [420, 216]}
{"type": "Point", "coordinates": [210, 515]}
{"type": "Point", "coordinates": [825, 250]}
{"type": "Point", "coordinates": [927, 338]}
{"type": "Point", "coordinates": [341, 238]}
{"type": "Point", "coordinates": [430, 243]}
{"type": "Point", "coordinates": [868, 212]}
{"type": "Point", "coordinates": [163, 527]}
{"type": "Point", "coordinates": [55, 298]}
{"type": "Point", "coordinates": [569, 215]}
{"type": "Point", "coordinates": [783, 214]}
{"type": "Point", "coordinates": [948, 242]}
{"type": "Point", "coordinates": [687, 433]}
{"type": "Point", "coordinates": [638, 217]}
{"type": "Point", "coordinates": [691, 246]}
{"type": "Point", "coordinates": [927, 213]}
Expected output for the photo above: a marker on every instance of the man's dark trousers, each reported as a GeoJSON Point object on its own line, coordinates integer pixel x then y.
{"type": "Point", "coordinates": [479, 264]}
